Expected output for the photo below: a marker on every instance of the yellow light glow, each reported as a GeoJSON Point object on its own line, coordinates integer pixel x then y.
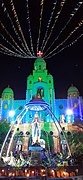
{"type": "Point", "coordinates": [2, 170]}
{"type": "Point", "coordinates": [32, 171]}
{"type": "Point", "coordinates": [13, 174]}
{"type": "Point", "coordinates": [27, 174]}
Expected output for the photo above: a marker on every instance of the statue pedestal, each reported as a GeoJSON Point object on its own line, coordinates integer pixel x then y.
{"type": "Point", "coordinates": [36, 155]}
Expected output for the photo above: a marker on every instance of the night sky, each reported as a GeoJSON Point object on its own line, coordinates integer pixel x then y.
{"type": "Point", "coordinates": [66, 67]}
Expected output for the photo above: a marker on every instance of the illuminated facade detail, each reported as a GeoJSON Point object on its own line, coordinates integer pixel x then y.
{"type": "Point", "coordinates": [5, 106]}
{"type": "Point", "coordinates": [39, 79]}
{"type": "Point", "coordinates": [62, 118]}
{"type": "Point", "coordinates": [75, 105]}
{"type": "Point", "coordinates": [40, 84]}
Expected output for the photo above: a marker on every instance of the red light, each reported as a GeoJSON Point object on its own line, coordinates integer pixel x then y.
{"type": "Point", "coordinates": [39, 54]}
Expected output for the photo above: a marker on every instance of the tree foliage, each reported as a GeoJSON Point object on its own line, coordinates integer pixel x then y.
{"type": "Point", "coordinates": [4, 128]}
{"type": "Point", "coordinates": [75, 140]}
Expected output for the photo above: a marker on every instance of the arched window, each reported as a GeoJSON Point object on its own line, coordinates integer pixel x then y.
{"type": "Point", "coordinates": [40, 91]}
{"type": "Point", "coordinates": [39, 66]}
{"type": "Point", "coordinates": [30, 82]}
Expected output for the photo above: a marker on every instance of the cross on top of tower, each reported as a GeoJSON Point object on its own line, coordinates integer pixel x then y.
{"type": "Point", "coordinates": [39, 54]}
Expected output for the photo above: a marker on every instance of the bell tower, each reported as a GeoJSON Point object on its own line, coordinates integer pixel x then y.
{"type": "Point", "coordinates": [41, 83]}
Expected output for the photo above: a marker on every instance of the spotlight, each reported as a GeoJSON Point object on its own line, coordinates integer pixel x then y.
{"type": "Point", "coordinates": [69, 112]}
{"type": "Point", "coordinates": [11, 113]}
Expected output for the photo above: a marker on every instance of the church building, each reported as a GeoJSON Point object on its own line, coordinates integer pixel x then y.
{"type": "Point", "coordinates": [41, 84]}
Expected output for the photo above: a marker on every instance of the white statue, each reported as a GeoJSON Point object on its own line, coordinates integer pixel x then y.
{"type": "Point", "coordinates": [36, 129]}
{"type": "Point", "coordinates": [12, 160]}
{"type": "Point", "coordinates": [19, 145]}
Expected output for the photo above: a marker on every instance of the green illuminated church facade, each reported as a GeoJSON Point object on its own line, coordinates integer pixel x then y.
{"type": "Point", "coordinates": [40, 84]}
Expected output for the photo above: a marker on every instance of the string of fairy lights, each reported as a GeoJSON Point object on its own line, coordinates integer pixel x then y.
{"type": "Point", "coordinates": [29, 30]}
{"type": "Point", "coordinates": [71, 33]}
{"type": "Point", "coordinates": [10, 44]}
{"type": "Point", "coordinates": [55, 20]}
{"type": "Point", "coordinates": [77, 6]}
{"type": "Point", "coordinates": [48, 25]}
{"type": "Point", "coordinates": [8, 51]}
{"type": "Point", "coordinates": [39, 33]}
{"type": "Point", "coordinates": [19, 26]}
{"type": "Point", "coordinates": [13, 41]}
{"type": "Point", "coordinates": [13, 27]}
{"type": "Point", "coordinates": [67, 46]}
{"type": "Point", "coordinates": [15, 44]}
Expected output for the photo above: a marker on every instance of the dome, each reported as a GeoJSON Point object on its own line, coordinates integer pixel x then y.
{"type": "Point", "coordinates": [73, 91]}
{"type": "Point", "coordinates": [40, 64]}
{"type": "Point", "coordinates": [8, 90]}
{"type": "Point", "coordinates": [40, 60]}
{"type": "Point", "coordinates": [7, 93]}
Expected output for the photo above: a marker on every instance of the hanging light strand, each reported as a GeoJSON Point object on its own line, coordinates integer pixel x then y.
{"type": "Point", "coordinates": [10, 54]}
{"type": "Point", "coordinates": [8, 51]}
{"type": "Point", "coordinates": [3, 27]}
{"type": "Point", "coordinates": [56, 18]}
{"type": "Point", "coordinates": [12, 25]}
{"type": "Point", "coordinates": [48, 25]}
{"type": "Point", "coordinates": [19, 27]}
{"type": "Point", "coordinates": [28, 19]}
{"type": "Point", "coordinates": [71, 33]}
{"type": "Point", "coordinates": [40, 22]}
{"type": "Point", "coordinates": [78, 5]}
{"type": "Point", "coordinates": [67, 46]}
{"type": "Point", "coordinates": [7, 41]}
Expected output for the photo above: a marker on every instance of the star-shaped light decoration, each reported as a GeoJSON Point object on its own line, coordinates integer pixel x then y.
{"type": "Point", "coordinates": [39, 54]}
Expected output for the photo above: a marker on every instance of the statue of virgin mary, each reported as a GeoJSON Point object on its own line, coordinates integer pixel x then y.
{"type": "Point", "coordinates": [36, 129]}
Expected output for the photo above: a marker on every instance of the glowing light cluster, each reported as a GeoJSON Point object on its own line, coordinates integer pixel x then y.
{"type": "Point", "coordinates": [11, 113]}
{"type": "Point", "coordinates": [69, 112]}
